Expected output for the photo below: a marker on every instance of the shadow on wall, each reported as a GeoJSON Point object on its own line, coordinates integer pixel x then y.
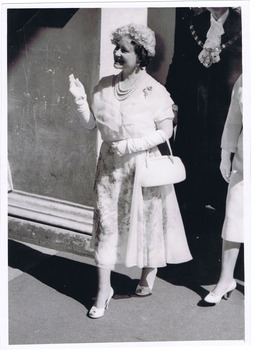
{"type": "Point", "coordinates": [156, 63]}
{"type": "Point", "coordinates": [27, 22]}
{"type": "Point", "coordinates": [49, 149]}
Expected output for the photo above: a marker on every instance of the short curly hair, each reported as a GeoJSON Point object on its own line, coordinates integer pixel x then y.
{"type": "Point", "coordinates": [142, 37]}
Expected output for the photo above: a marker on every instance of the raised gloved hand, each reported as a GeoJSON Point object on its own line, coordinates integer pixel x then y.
{"type": "Point", "coordinates": [225, 164]}
{"type": "Point", "coordinates": [139, 144]}
{"type": "Point", "coordinates": [77, 89]}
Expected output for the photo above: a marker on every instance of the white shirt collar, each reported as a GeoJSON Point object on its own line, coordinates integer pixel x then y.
{"type": "Point", "coordinates": [222, 19]}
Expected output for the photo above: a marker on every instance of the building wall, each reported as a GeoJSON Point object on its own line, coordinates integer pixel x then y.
{"type": "Point", "coordinates": [111, 19]}
{"type": "Point", "coordinates": [52, 156]}
{"type": "Point", "coordinates": [162, 21]}
{"type": "Point", "coordinates": [50, 152]}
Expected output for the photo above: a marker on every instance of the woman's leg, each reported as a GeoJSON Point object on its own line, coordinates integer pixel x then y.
{"type": "Point", "coordinates": [148, 277]}
{"type": "Point", "coordinates": [230, 251]}
{"type": "Point", "coordinates": [104, 287]}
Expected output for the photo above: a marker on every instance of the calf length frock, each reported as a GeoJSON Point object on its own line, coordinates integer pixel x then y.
{"type": "Point", "coordinates": [232, 141]}
{"type": "Point", "coordinates": [133, 226]}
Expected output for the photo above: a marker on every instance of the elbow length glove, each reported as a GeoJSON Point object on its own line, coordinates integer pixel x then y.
{"type": "Point", "coordinates": [139, 144]}
{"type": "Point", "coordinates": [84, 110]}
{"type": "Point", "coordinates": [77, 89]}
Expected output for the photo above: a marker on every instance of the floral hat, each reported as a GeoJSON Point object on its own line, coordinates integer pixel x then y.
{"type": "Point", "coordinates": [141, 34]}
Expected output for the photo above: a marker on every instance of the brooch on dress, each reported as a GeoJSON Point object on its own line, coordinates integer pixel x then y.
{"type": "Point", "coordinates": [147, 91]}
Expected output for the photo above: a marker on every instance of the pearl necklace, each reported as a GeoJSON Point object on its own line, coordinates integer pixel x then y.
{"type": "Point", "coordinates": [122, 94]}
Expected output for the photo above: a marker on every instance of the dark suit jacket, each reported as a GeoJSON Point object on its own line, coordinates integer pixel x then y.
{"type": "Point", "coordinates": [202, 94]}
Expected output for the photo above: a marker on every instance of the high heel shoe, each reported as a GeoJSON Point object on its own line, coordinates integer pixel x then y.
{"type": "Point", "coordinates": [143, 291]}
{"type": "Point", "coordinates": [213, 298]}
{"type": "Point", "coordinates": [148, 275]}
{"type": "Point", "coordinates": [96, 312]}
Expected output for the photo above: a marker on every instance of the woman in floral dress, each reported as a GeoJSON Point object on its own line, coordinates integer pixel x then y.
{"type": "Point", "coordinates": [133, 226]}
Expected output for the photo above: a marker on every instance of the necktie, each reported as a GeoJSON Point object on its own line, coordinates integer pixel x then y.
{"type": "Point", "coordinates": [214, 34]}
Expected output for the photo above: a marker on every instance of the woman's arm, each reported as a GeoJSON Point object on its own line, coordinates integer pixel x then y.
{"type": "Point", "coordinates": [166, 125]}
{"type": "Point", "coordinates": [78, 91]}
{"type": "Point", "coordinates": [232, 130]}
{"type": "Point", "coordinates": [138, 144]}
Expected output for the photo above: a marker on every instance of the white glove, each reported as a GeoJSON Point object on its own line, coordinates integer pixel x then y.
{"type": "Point", "coordinates": [77, 90]}
{"type": "Point", "coordinates": [225, 164]}
{"type": "Point", "coordinates": [139, 144]}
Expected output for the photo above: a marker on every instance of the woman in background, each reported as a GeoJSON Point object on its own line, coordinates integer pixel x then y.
{"type": "Point", "coordinates": [232, 172]}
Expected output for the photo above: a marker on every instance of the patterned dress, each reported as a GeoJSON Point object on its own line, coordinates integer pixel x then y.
{"type": "Point", "coordinates": [133, 226]}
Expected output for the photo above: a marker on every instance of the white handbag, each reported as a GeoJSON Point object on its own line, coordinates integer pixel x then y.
{"type": "Point", "coordinates": [161, 170]}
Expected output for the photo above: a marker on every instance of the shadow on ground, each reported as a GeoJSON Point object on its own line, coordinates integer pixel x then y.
{"type": "Point", "coordinates": [66, 276]}
{"type": "Point", "coordinates": [71, 278]}
{"type": "Point", "coordinates": [203, 231]}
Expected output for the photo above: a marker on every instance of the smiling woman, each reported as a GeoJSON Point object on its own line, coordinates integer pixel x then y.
{"type": "Point", "coordinates": [125, 58]}
{"type": "Point", "coordinates": [144, 45]}
{"type": "Point", "coordinates": [131, 54]}
{"type": "Point", "coordinates": [132, 225]}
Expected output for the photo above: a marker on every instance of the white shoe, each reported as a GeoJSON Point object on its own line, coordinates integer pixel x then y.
{"type": "Point", "coordinates": [149, 275]}
{"type": "Point", "coordinates": [215, 298]}
{"type": "Point", "coordinates": [96, 312]}
{"type": "Point", "coordinates": [143, 291]}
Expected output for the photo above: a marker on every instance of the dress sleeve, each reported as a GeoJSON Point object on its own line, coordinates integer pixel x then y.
{"type": "Point", "coordinates": [233, 124]}
{"type": "Point", "coordinates": [163, 105]}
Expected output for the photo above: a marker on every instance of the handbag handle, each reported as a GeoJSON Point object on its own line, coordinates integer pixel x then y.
{"type": "Point", "coordinates": [170, 155]}
{"type": "Point", "coordinates": [170, 150]}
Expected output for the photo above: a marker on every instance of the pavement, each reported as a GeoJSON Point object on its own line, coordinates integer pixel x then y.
{"type": "Point", "coordinates": [50, 293]}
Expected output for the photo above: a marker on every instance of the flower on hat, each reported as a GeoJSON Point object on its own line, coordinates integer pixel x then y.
{"type": "Point", "coordinates": [141, 34]}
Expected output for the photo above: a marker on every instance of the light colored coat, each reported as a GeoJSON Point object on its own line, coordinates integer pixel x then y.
{"type": "Point", "coordinates": [232, 141]}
